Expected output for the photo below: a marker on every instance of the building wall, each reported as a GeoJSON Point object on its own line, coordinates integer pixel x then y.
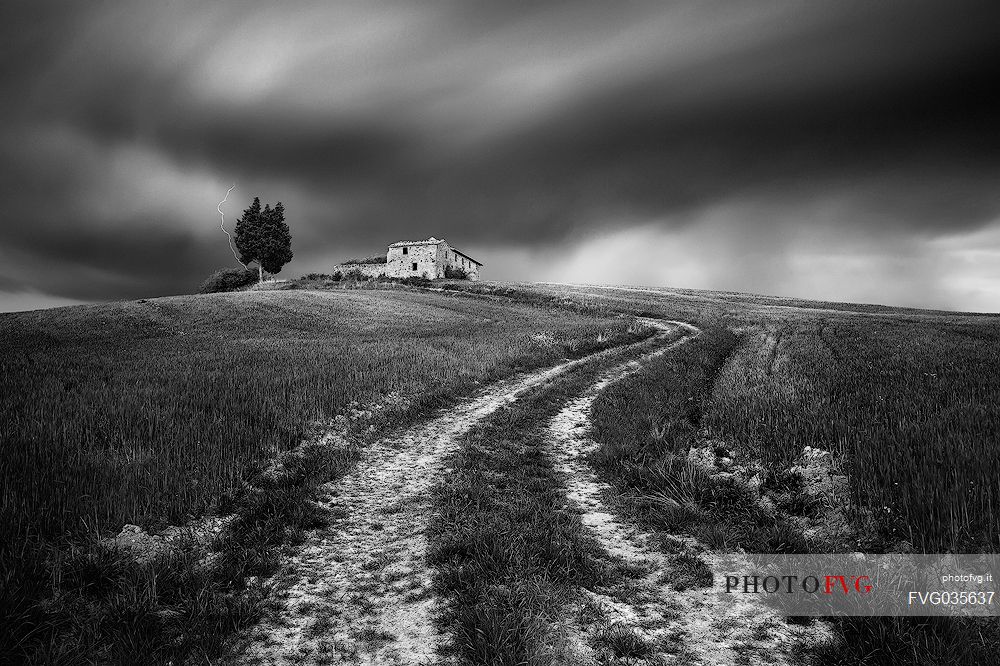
{"type": "Point", "coordinates": [371, 270]}
{"type": "Point", "coordinates": [428, 260]}
{"type": "Point", "coordinates": [455, 260]}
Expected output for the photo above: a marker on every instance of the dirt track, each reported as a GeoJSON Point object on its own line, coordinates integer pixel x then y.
{"type": "Point", "coordinates": [358, 591]}
{"type": "Point", "coordinates": [694, 627]}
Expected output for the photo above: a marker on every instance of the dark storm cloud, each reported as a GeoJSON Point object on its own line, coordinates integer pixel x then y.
{"type": "Point", "coordinates": [496, 125]}
{"type": "Point", "coordinates": [137, 257]}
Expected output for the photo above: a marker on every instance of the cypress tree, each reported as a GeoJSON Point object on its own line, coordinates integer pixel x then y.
{"type": "Point", "coordinates": [263, 236]}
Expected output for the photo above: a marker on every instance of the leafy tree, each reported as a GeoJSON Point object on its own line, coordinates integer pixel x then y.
{"type": "Point", "coordinates": [262, 236]}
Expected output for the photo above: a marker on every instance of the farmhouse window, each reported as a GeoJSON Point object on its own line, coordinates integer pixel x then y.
{"type": "Point", "coordinates": [406, 250]}
{"type": "Point", "coordinates": [414, 265]}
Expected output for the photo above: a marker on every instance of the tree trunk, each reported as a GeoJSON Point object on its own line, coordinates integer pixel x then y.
{"type": "Point", "coordinates": [260, 274]}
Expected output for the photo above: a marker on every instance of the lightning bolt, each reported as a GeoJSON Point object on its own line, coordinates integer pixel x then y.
{"type": "Point", "coordinates": [222, 225]}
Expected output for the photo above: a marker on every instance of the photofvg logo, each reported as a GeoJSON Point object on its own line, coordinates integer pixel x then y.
{"type": "Point", "coordinates": [790, 584]}
{"type": "Point", "coordinates": [864, 585]}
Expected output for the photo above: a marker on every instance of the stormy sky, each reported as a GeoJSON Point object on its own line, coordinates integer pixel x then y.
{"type": "Point", "coordinates": [836, 150]}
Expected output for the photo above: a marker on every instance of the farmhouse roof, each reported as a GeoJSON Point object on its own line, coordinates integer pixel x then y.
{"type": "Point", "coordinates": [457, 251]}
{"type": "Point", "coordinates": [435, 241]}
{"type": "Point", "coordinates": [429, 241]}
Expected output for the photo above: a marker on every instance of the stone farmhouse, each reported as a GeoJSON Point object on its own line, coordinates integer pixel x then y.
{"type": "Point", "coordinates": [429, 258]}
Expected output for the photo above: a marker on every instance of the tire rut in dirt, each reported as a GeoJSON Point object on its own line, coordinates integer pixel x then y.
{"type": "Point", "coordinates": [649, 616]}
{"type": "Point", "coordinates": [359, 590]}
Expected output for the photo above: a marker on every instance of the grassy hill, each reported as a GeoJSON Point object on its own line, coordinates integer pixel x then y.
{"type": "Point", "coordinates": [161, 411]}
{"type": "Point", "coordinates": [167, 401]}
{"type": "Point", "coordinates": [907, 403]}
{"type": "Point", "coordinates": [155, 412]}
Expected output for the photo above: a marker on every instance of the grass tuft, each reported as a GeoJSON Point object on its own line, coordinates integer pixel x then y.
{"type": "Point", "coordinates": [622, 643]}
